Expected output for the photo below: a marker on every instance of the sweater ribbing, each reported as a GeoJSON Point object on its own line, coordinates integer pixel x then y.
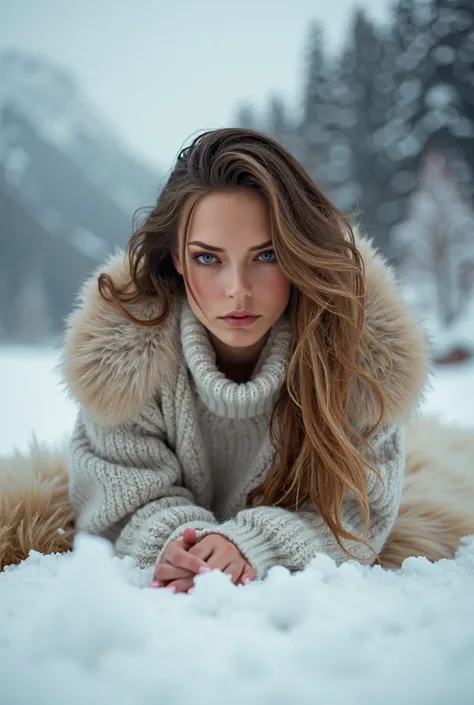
{"type": "Point", "coordinates": [222, 396]}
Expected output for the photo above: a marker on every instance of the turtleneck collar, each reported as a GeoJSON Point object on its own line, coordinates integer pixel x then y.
{"type": "Point", "coordinates": [221, 395]}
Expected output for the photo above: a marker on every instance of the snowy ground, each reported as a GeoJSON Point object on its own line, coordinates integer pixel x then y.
{"type": "Point", "coordinates": [85, 629]}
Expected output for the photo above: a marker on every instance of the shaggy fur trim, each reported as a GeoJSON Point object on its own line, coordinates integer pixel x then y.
{"type": "Point", "coordinates": [108, 364]}
{"type": "Point", "coordinates": [113, 367]}
{"type": "Point", "coordinates": [393, 350]}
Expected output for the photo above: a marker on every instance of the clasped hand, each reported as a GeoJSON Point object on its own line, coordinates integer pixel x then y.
{"type": "Point", "coordinates": [186, 557]}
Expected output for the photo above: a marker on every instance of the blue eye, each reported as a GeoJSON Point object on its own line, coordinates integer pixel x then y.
{"type": "Point", "coordinates": [205, 258]}
{"type": "Point", "coordinates": [267, 256]}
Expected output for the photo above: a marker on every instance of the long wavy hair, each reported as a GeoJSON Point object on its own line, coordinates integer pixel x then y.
{"type": "Point", "coordinates": [320, 456]}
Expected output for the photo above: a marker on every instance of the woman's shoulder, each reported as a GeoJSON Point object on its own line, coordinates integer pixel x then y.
{"type": "Point", "coordinates": [110, 365]}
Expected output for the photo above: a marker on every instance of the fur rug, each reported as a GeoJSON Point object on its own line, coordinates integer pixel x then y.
{"type": "Point", "coordinates": [437, 507]}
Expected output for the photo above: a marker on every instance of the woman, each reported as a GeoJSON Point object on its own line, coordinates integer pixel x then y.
{"type": "Point", "coordinates": [228, 382]}
{"type": "Point", "coordinates": [244, 376]}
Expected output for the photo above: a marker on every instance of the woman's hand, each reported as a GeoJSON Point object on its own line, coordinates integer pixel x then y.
{"type": "Point", "coordinates": [177, 567]}
{"type": "Point", "coordinates": [177, 571]}
{"type": "Point", "coordinates": [221, 554]}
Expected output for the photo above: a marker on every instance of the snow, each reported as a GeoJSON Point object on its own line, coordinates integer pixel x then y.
{"type": "Point", "coordinates": [85, 628]}
{"type": "Point", "coordinates": [459, 334]}
{"type": "Point", "coordinates": [31, 400]}
{"type": "Point", "coordinates": [440, 96]}
{"type": "Point", "coordinates": [410, 90]}
{"type": "Point", "coordinates": [462, 128]}
{"type": "Point", "coordinates": [444, 55]}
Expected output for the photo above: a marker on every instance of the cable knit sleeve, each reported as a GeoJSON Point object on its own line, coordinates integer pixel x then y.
{"type": "Point", "coordinates": [126, 484]}
{"type": "Point", "coordinates": [269, 536]}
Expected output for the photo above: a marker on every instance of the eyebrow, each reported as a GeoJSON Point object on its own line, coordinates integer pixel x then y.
{"type": "Point", "coordinates": [211, 248]}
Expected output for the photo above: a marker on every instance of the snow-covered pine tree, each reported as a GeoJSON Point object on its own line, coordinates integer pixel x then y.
{"type": "Point", "coordinates": [463, 74]}
{"type": "Point", "coordinates": [437, 241]}
{"type": "Point", "coordinates": [433, 104]}
{"type": "Point", "coordinates": [284, 127]}
{"type": "Point", "coordinates": [447, 119]}
{"type": "Point", "coordinates": [398, 147]}
{"type": "Point", "coordinates": [246, 117]}
{"type": "Point", "coordinates": [316, 130]}
{"type": "Point", "coordinates": [347, 103]}
{"type": "Point", "coordinates": [362, 84]}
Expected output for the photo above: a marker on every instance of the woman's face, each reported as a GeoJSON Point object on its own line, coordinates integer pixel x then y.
{"type": "Point", "coordinates": [232, 270]}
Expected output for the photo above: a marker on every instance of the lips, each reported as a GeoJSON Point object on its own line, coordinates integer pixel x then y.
{"type": "Point", "coordinates": [241, 313]}
{"type": "Point", "coordinates": [240, 319]}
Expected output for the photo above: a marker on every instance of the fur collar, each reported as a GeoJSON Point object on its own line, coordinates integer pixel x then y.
{"type": "Point", "coordinates": [113, 367]}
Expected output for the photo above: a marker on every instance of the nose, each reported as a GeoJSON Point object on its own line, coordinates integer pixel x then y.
{"type": "Point", "coordinates": [238, 286]}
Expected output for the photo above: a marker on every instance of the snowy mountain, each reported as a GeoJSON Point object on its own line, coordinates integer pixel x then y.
{"type": "Point", "coordinates": [68, 190]}
{"type": "Point", "coordinates": [50, 98]}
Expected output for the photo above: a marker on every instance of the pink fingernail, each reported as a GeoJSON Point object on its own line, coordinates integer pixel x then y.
{"type": "Point", "coordinates": [172, 588]}
{"type": "Point", "coordinates": [156, 584]}
{"type": "Point", "coordinates": [204, 569]}
{"type": "Point", "coordinates": [246, 581]}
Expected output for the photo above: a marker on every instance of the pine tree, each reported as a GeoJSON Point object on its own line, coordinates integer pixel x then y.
{"type": "Point", "coordinates": [372, 114]}
{"type": "Point", "coordinates": [318, 110]}
{"type": "Point", "coordinates": [432, 101]}
{"type": "Point", "coordinates": [246, 118]}
{"type": "Point", "coordinates": [402, 80]}
{"type": "Point", "coordinates": [278, 123]}
{"type": "Point", "coordinates": [361, 115]}
{"type": "Point", "coordinates": [437, 240]}
{"type": "Point", "coordinates": [347, 101]}
{"type": "Point", "coordinates": [450, 89]}
{"type": "Point", "coordinates": [283, 127]}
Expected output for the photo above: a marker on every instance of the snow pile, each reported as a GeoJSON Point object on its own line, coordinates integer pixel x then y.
{"type": "Point", "coordinates": [85, 628]}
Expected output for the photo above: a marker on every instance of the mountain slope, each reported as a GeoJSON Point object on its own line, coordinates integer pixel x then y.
{"type": "Point", "coordinates": [68, 191]}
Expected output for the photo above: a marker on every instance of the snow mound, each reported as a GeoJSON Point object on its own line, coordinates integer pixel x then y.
{"type": "Point", "coordinates": [84, 628]}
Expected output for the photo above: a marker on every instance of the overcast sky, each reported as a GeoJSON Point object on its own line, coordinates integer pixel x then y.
{"type": "Point", "coordinates": [163, 70]}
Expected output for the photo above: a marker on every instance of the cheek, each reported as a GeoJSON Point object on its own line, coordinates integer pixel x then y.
{"type": "Point", "coordinates": [274, 288]}
{"type": "Point", "coordinates": [204, 285]}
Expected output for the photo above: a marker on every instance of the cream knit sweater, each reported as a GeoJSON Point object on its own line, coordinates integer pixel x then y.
{"type": "Point", "coordinates": [193, 452]}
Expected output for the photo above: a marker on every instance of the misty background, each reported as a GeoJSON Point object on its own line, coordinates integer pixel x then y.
{"type": "Point", "coordinates": [376, 99]}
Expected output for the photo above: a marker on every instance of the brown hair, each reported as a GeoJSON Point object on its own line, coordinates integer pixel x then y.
{"type": "Point", "coordinates": [319, 456]}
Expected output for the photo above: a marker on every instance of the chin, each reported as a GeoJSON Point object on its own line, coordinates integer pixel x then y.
{"type": "Point", "coordinates": [240, 337]}
{"type": "Point", "coordinates": [241, 341]}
